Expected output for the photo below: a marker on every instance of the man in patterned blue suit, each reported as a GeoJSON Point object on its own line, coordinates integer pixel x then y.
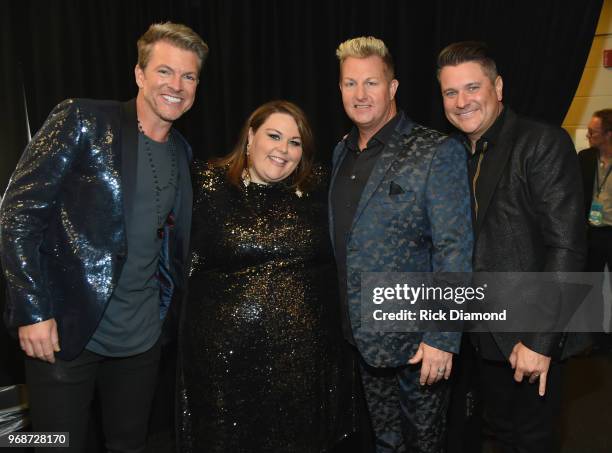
{"type": "Point", "coordinates": [399, 202]}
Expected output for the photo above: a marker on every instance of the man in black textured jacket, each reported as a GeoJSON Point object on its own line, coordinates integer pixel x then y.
{"type": "Point", "coordinates": [528, 217]}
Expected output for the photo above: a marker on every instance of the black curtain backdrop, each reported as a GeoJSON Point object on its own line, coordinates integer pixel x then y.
{"type": "Point", "coordinates": [267, 49]}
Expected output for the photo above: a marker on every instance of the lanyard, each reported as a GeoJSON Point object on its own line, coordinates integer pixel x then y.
{"type": "Point", "coordinates": [603, 183]}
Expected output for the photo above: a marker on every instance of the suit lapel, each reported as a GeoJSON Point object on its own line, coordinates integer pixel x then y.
{"type": "Point", "coordinates": [488, 180]}
{"type": "Point", "coordinates": [129, 154]}
{"type": "Point", "coordinates": [388, 155]}
{"type": "Point", "coordinates": [383, 163]}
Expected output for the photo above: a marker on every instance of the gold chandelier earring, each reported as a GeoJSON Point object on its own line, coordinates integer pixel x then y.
{"type": "Point", "coordinates": [245, 175]}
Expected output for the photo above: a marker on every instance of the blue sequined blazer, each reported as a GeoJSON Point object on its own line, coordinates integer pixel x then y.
{"type": "Point", "coordinates": [413, 216]}
{"type": "Point", "coordinates": [62, 229]}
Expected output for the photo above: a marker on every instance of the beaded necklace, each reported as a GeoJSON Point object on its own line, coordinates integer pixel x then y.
{"type": "Point", "coordinates": [172, 179]}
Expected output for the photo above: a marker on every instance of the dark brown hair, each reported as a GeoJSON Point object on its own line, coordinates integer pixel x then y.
{"type": "Point", "coordinates": [468, 51]}
{"type": "Point", "coordinates": [605, 116]}
{"type": "Point", "coordinates": [237, 160]}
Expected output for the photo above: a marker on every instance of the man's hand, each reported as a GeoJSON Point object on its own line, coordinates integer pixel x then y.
{"type": "Point", "coordinates": [40, 340]}
{"type": "Point", "coordinates": [436, 364]}
{"type": "Point", "coordinates": [526, 362]}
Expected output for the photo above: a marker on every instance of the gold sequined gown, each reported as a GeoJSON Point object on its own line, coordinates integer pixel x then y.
{"type": "Point", "coordinates": [263, 366]}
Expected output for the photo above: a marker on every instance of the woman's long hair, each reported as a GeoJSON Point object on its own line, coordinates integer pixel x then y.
{"type": "Point", "coordinates": [237, 160]}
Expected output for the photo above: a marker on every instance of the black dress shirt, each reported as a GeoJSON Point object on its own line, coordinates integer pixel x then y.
{"type": "Point", "coordinates": [350, 181]}
{"type": "Point", "coordinates": [480, 162]}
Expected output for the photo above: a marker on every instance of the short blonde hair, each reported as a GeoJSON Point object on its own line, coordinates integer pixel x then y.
{"type": "Point", "coordinates": [364, 47]}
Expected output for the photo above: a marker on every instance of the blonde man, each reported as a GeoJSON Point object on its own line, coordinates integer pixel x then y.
{"type": "Point", "coordinates": [399, 202]}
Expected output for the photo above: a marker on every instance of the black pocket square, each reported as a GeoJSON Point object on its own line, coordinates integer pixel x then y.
{"type": "Point", "coordinates": [395, 189]}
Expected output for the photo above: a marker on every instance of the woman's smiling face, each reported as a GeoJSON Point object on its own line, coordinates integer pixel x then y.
{"type": "Point", "coordinates": [275, 149]}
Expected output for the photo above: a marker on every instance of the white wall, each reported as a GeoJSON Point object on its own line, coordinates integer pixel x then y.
{"type": "Point", "coordinates": [595, 89]}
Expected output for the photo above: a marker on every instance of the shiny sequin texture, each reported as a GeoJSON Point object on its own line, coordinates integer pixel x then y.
{"type": "Point", "coordinates": [50, 252]}
{"type": "Point", "coordinates": [264, 366]}
{"type": "Point", "coordinates": [62, 223]}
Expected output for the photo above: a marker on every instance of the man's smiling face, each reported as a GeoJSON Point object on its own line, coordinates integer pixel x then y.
{"type": "Point", "coordinates": [367, 92]}
{"type": "Point", "coordinates": [168, 83]}
{"type": "Point", "coordinates": [472, 102]}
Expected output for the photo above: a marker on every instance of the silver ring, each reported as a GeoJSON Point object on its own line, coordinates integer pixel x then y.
{"type": "Point", "coordinates": [441, 370]}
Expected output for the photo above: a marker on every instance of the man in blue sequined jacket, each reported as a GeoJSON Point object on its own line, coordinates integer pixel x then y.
{"type": "Point", "coordinates": [399, 202]}
{"type": "Point", "coordinates": [94, 234]}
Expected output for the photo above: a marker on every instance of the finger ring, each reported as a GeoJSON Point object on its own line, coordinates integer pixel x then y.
{"type": "Point", "coordinates": [441, 370]}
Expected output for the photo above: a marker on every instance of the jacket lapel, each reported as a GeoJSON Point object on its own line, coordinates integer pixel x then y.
{"type": "Point", "coordinates": [129, 153]}
{"type": "Point", "coordinates": [387, 157]}
{"type": "Point", "coordinates": [488, 181]}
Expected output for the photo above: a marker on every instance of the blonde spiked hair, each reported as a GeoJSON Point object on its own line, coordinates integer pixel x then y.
{"type": "Point", "coordinates": [364, 47]}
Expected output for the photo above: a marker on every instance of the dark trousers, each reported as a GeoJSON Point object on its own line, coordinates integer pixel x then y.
{"type": "Point", "coordinates": [464, 414]}
{"type": "Point", "coordinates": [600, 255]}
{"type": "Point", "coordinates": [406, 416]}
{"type": "Point", "coordinates": [61, 394]}
{"type": "Point", "coordinates": [516, 418]}
{"type": "Point", "coordinates": [600, 249]}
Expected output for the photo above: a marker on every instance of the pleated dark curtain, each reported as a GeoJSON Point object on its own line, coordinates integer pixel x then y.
{"type": "Point", "coordinates": [266, 49]}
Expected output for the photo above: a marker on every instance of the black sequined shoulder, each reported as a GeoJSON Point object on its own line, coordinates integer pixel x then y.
{"type": "Point", "coordinates": [205, 177]}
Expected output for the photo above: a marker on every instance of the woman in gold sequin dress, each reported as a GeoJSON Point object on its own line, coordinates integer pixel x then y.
{"type": "Point", "coordinates": [263, 365]}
